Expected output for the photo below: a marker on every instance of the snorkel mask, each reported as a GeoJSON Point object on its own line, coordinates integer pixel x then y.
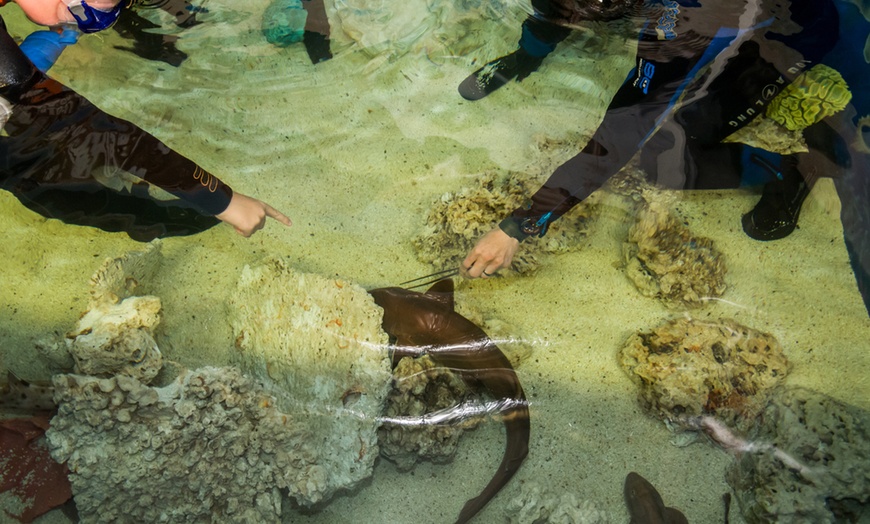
{"type": "Point", "coordinates": [92, 20]}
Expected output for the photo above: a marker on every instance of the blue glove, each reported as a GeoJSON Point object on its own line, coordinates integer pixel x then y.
{"type": "Point", "coordinates": [44, 47]}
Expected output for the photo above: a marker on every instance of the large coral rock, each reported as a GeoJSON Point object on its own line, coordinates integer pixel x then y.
{"type": "Point", "coordinates": [317, 344]}
{"type": "Point", "coordinates": [830, 442]}
{"type": "Point", "coordinates": [665, 260]}
{"type": "Point", "coordinates": [687, 368]}
{"type": "Point", "coordinates": [421, 387]}
{"type": "Point", "coordinates": [210, 447]}
{"type": "Point", "coordinates": [457, 220]}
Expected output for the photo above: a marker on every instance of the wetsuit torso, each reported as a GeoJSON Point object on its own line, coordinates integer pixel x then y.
{"type": "Point", "coordinates": [55, 140]}
{"type": "Point", "coordinates": [703, 70]}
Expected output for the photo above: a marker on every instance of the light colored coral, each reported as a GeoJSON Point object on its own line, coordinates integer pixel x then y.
{"type": "Point", "coordinates": [317, 345]}
{"type": "Point", "coordinates": [421, 387]}
{"type": "Point", "coordinates": [828, 439]}
{"type": "Point", "coordinates": [118, 278]}
{"type": "Point", "coordinates": [666, 261]}
{"type": "Point", "coordinates": [116, 334]}
{"type": "Point", "coordinates": [117, 338]}
{"type": "Point", "coordinates": [539, 505]}
{"type": "Point", "coordinates": [687, 368]}
{"type": "Point", "coordinates": [210, 447]}
{"type": "Point", "coordinates": [458, 220]}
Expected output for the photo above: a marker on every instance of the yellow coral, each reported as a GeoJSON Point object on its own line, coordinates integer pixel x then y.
{"type": "Point", "coordinates": [818, 93]}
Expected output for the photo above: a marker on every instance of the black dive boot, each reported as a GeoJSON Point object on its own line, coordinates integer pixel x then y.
{"type": "Point", "coordinates": [499, 72]}
{"type": "Point", "coordinates": [776, 214]}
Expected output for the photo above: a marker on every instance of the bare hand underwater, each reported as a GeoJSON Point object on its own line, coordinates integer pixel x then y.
{"type": "Point", "coordinates": [248, 215]}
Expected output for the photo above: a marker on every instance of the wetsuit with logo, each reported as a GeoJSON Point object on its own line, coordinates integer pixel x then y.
{"type": "Point", "coordinates": [56, 140]}
{"type": "Point", "coordinates": [703, 70]}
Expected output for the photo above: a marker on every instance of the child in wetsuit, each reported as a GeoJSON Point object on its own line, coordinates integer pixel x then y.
{"type": "Point", "coordinates": [54, 140]}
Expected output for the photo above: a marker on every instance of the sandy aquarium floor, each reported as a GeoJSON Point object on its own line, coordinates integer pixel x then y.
{"type": "Point", "coordinates": [355, 150]}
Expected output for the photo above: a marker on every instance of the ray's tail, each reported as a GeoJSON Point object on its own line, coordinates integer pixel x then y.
{"type": "Point", "coordinates": [516, 422]}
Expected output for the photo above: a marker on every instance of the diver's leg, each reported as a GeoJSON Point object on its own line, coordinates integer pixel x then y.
{"type": "Point", "coordinates": [776, 214]}
{"type": "Point", "coordinates": [539, 39]}
{"type": "Point", "coordinates": [316, 35]}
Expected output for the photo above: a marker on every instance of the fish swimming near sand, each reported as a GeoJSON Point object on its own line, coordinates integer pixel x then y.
{"type": "Point", "coordinates": [645, 505]}
{"type": "Point", "coordinates": [426, 323]}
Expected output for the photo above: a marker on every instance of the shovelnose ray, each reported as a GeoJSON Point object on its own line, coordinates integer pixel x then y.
{"type": "Point", "coordinates": [426, 323]}
{"type": "Point", "coordinates": [645, 505]}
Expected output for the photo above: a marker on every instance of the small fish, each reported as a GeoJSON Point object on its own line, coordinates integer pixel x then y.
{"type": "Point", "coordinates": [19, 397]}
{"type": "Point", "coordinates": [645, 505]}
{"type": "Point", "coordinates": [426, 323]}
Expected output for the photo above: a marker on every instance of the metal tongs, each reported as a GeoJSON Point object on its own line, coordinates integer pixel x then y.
{"type": "Point", "coordinates": [430, 279]}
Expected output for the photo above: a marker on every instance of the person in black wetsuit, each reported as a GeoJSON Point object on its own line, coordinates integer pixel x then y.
{"type": "Point", "coordinates": [54, 141]}
{"type": "Point", "coordinates": [703, 70]}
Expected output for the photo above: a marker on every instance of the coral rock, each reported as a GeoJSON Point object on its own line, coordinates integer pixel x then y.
{"type": "Point", "coordinates": [118, 278]}
{"type": "Point", "coordinates": [665, 260]}
{"type": "Point", "coordinates": [457, 220]}
{"type": "Point", "coordinates": [317, 345]}
{"type": "Point", "coordinates": [117, 338]}
{"type": "Point", "coordinates": [210, 447]}
{"type": "Point", "coordinates": [831, 443]}
{"type": "Point", "coordinates": [116, 334]}
{"type": "Point", "coordinates": [688, 368]}
{"type": "Point", "coordinates": [421, 387]}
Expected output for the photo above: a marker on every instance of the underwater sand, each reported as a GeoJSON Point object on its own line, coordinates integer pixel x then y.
{"type": "Point", "coordinates": [355, 150]}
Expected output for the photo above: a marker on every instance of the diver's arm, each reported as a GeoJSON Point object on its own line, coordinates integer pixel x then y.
{"type": "Point", "coordinates": [39, 103]}
{"type": "Point", "coordinates": [630, 117]}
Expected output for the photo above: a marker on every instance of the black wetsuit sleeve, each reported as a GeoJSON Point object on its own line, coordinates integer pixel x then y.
{"type": "Point", "coordinates": [631, 116]}
{"type": "Point", "coordinates": [57, 136]}
{"type": "Point", "coordinates": [663, 73]}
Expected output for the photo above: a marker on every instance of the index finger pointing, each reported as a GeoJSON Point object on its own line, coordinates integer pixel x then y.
{"type": "Point", "coordinates": [277, 215]}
